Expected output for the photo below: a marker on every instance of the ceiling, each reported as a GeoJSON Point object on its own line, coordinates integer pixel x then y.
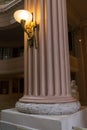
{"type": "Point", "coordinates": [80, 6]}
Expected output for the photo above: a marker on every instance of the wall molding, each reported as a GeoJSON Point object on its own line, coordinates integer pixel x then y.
{"type": "Point", "coordinates": [7, 10]}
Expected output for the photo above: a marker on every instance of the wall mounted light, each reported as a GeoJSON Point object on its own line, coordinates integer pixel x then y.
{"type": "Point", "coordinates": [25, 18]}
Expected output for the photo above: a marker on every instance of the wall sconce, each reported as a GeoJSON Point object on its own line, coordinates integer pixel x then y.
{"type": "Point", "coordinates": [25, 18]}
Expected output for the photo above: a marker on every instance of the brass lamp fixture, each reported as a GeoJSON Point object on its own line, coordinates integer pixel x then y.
{"type": "Point", "coordinates": [25, 18]}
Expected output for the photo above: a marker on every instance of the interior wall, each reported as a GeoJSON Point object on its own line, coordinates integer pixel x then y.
{"type": "Point", "coordinates": [80, 47]}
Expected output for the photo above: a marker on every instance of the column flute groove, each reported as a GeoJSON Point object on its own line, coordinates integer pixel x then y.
{"type": "Point", "coordinates": [50, 82]}
{"type": "Point", "coordinates": [30, 61]}
{"type": "Point", "coordinates": [42, 51]}
{"type": "Point", "coordinates": [26, 58]}
{"type": "Point", "coordinates": [56, 49]}
{"type": "Point", "coordinates": [35, 59]}
{"type": "Point", "coordinates": [62, 55]}
{"type": "Point", "coordinates": [66, 47]}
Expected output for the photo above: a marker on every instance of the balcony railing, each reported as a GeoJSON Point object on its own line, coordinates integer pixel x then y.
{"type": "Point", "coordinates": [11, 66]}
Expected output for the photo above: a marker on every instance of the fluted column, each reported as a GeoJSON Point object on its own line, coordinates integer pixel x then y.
{"type": "Point", "coordinates": [47, 69]}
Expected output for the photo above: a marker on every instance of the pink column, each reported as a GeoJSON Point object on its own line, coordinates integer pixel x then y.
{"type": "Point", "coordinates": [47, 69]}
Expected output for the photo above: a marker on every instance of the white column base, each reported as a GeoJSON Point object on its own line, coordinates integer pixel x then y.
{"type": "Point", "coordinates": [48, 109]}
{"type": "Point", "coordinates": [14, 120]}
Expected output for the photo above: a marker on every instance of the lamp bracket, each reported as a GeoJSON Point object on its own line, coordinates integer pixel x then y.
{"type": "Point", "coordinates": [31, 30]}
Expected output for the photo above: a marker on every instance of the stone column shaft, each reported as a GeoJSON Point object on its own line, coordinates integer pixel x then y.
{"type": "Point", "coordinates": [52, 57]}
{"type": "Point", "coordinates": [48, 70]}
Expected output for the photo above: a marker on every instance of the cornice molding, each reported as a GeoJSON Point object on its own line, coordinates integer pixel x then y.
{"type": "Point", "coordinates": [6, 12]}
{"type": "Point", "coordinates": [6, 7]}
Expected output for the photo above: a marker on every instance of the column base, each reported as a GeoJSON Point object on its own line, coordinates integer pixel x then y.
{"type": "Point", "coordinates": [48, 109]}
{"type": "Point", "coordinates": [14, 120]}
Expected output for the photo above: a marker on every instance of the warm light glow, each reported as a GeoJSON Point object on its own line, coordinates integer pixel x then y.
{"type": "Point", "coordinates": [23, 15]}
{"type": "Point", "coordinates": [80, 40]}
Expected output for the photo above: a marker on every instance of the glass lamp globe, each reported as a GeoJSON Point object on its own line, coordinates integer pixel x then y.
{"type": "Point", "coordinates": [23, 15]}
